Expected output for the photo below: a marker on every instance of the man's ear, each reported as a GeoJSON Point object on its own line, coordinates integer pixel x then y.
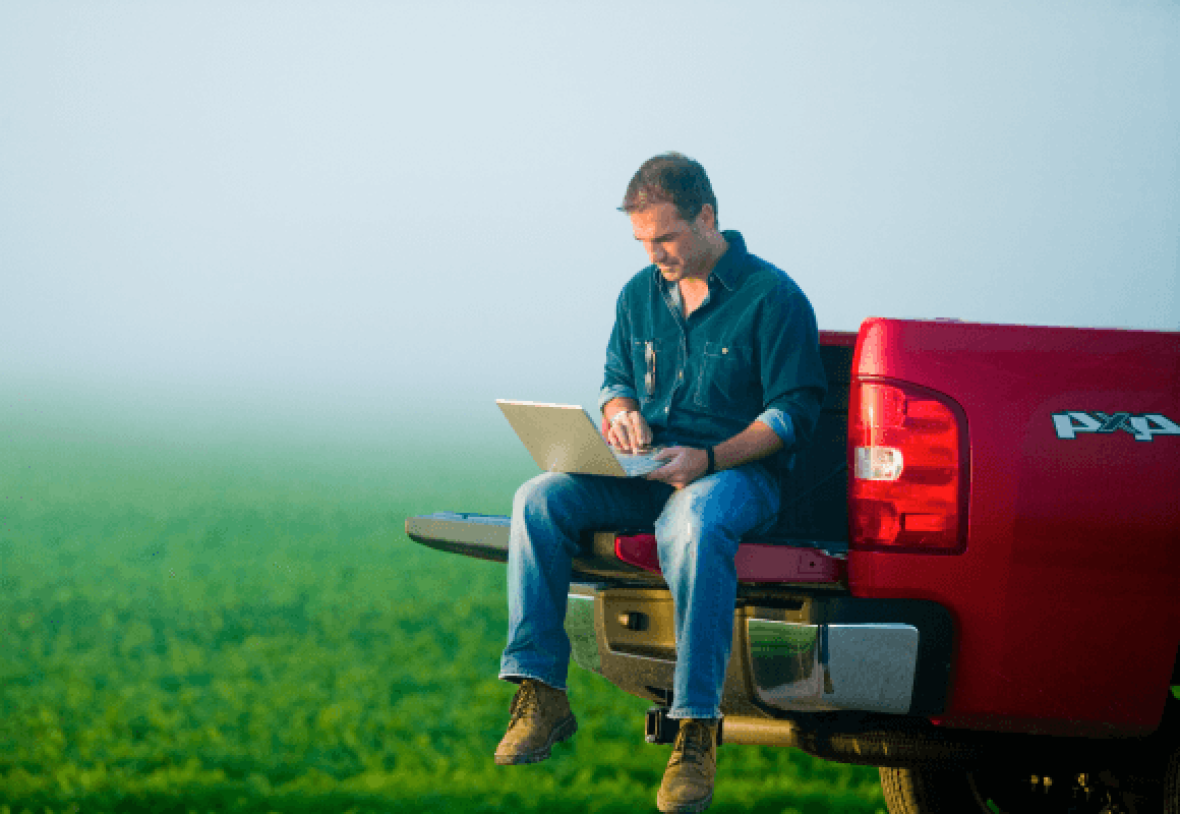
{"type": "Point", "coordinates": [707, 217]}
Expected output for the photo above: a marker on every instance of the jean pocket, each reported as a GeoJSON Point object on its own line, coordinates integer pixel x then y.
{"type": "Point", "coordinates": [727, 381]}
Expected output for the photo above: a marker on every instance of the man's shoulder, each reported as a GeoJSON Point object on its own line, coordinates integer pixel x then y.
{"type": "Point", "coordinates": [768, 279]}
{"type": "Point", "coordinates": [759, 275]}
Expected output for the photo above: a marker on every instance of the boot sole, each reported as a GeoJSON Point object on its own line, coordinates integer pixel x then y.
{"type": "Point", "coordinates": [562, 732]}
{"type": "Point", "coordinates": [695, 807]}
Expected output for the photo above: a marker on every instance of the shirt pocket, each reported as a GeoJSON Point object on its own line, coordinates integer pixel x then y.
{"type": "Point", "coordinates": [651, 365]}
{"type": "Point", "coordinates": [727, 383]}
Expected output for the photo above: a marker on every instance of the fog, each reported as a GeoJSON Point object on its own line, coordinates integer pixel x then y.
{"type": "Point", "coordinates": [366, 221]}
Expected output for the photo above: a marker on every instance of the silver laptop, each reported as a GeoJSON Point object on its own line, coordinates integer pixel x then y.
{"type": "Point", "coordinates": [563, 438]}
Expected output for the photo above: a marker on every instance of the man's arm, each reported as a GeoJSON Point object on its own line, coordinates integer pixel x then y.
{"type": "Point", "coordinates": [754, 442]}
{"type": "Point", "coordinates": [686, 464]}
{"type": "Point", "coordinates": [617, 399]}
{"type": "Point", "coordinates": [793, 376]}
{"type": "Point", "coordinates": [618, 379]}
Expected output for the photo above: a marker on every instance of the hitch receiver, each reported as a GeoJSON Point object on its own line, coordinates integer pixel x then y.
{"type": "Point", "coordinates": [659, 728]}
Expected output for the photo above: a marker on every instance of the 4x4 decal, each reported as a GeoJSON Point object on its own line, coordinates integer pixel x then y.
{"type": "Point", "coordinates": [1141, 427]}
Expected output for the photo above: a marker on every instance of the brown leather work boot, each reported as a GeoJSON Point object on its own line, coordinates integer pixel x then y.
{"type": "Point", "coordinates": [541, 717]}
{"type": "Point", "coordinates": [688, 780]}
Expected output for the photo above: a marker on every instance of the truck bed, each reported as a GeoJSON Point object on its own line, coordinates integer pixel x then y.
{"type": "Point", "coordinates": [806, 547]}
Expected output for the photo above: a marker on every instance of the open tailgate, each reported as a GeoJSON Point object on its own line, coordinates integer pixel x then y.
{"type": "Point", "coordinates": [630, 556]}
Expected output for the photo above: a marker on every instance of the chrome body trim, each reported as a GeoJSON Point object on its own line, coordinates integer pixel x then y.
{"type": "Point", "coordinates": [583, 636]}
{"type": "Point", "coordinates": [805, 667]}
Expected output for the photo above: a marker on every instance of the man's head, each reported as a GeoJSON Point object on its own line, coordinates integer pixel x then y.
{"type": "Point", "coordinates": [670, 178]}
{"type": "Point", "coordinates": [674, 214]}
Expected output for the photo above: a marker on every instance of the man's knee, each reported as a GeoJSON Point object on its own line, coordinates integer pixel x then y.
{"type": "Point", "coordinates": [682, 518]}
{"type": "Point", "coordinates": [553, 499]}
{"type": "Point", "coordinates": [689, 520]}
{"type": "Point", "coordinates": [539, 492]}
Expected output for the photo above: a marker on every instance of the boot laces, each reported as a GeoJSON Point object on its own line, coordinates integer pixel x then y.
{"type": "Point", "coordinates": [692, 743]}
{"type": "Point", "coordinates": [525, 704]}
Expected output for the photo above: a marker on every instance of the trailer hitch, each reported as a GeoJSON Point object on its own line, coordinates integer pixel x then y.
{"type": "Point", "coordinates": [659, 728]}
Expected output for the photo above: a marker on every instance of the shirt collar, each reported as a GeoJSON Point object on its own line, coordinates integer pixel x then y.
{"type": "Point", "coordinates": [729, 267]}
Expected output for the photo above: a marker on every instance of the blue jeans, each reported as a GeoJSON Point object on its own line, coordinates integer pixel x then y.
{"type": "Point", "coordinates": [697, 531]}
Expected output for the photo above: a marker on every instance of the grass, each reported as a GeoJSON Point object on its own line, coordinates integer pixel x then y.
{"type": "Point", "coordinates": [247, 629]}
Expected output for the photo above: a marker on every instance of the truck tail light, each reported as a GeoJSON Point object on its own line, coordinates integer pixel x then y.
{"type": "Point", "coordinates": [908, 456]}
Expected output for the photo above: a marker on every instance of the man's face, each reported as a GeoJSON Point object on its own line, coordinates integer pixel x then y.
{"type": "Point", "coordinates": [676, 246]}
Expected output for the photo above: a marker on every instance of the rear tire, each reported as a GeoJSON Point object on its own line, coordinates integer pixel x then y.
{"type": "Point", "coordinates": [924, 790]}
{"type": "Point", "coordinates": [1171, 789]}
{"type": "Point", "coordinates": [1140, 777]}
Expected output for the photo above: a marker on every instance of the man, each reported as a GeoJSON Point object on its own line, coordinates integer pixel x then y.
{"type": "Point", "coordinates": [715, 355]}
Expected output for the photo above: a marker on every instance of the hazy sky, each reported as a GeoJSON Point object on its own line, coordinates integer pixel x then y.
{"type": "Point", "coordinates": [389, 214]}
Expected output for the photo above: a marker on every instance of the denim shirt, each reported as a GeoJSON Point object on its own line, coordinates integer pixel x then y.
{"type": "Point", "coordinates": [749, 352]}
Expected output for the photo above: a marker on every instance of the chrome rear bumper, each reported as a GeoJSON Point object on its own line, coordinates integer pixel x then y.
{"type": "Point", "coordinates": [813, 654]}
{"type": "Point", "coordinates": [802, 667]}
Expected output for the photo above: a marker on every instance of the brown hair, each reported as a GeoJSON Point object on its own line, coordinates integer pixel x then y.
{"type": "Point", "coordinates": [671, 178]}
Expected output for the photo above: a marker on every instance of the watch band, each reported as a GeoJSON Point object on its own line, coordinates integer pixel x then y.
{"type": "Point", "coordinates": [712, 467]}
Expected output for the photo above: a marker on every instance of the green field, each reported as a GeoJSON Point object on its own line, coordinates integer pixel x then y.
{"type": "Point", "coordinates": [246, 628]}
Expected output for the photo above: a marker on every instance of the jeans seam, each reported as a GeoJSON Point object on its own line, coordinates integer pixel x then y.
{"type": "Point", "coordinates": [505, 675]}
{"type": "Point", "coordinates": [696, 713]}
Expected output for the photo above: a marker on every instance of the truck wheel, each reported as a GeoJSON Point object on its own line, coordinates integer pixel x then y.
{"type": "Point", "coordinates": [1172, 783]}
{"type": "Point", "coordinates": [927, 790]}
{"type": "Point", "coordinates": [924, 790]}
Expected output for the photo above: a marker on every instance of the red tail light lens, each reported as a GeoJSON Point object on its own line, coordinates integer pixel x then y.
{"type": "Point", "coordinates": [908, 460]}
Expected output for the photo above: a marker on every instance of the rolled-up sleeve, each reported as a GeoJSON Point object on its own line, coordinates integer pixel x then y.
{"type": "Point", "coordinates": [780, 421]}
{"type": "Point", "coordinates": [618, 391]}
{"type": "Point", "coordinates": [618, 378]}
{"type": "Point", "coordinates": [793, 379]}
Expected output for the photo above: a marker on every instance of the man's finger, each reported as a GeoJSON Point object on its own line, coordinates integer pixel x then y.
{"type": "Point", "coordinates": [634, 429]}
{"type": "Point", "coordinates": [640, 430]}
{"type": "Point", "coordinates": [624, 435]}
{"type": "Point", "coordinates": [624, 438]}
{"type": "Point", "coordinates": [658, 474]}
{"type": "Point", "coordinates": [618, 429]}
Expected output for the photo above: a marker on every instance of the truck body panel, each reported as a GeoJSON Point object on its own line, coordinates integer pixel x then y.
{"type": "Point", "coordinates": [1064, 598]}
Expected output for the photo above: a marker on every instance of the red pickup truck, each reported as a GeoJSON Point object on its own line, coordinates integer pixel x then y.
{"type": "Point", "coordinates": [973, 583]}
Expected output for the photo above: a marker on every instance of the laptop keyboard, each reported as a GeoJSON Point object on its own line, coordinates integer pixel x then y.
{"type": "Point", "coordinates": [637, 464]}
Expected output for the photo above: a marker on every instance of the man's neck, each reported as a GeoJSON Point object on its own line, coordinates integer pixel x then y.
{"type": "Point", "coordinates": [698, 281]}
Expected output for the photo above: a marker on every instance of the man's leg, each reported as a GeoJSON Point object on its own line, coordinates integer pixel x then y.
{"type": "Point", "coordinates": [698, 534]}
{"type": "Point", "coordinates": [549, 515]}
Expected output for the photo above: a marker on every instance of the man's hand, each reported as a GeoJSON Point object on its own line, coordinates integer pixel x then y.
{"type": "Point", "coordinates": [685, 464]}
{"type": "Point", "coordinates": [629, 431]}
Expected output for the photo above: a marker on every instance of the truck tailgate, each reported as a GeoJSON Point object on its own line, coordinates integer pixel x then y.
{"type": "Point", "coordinates": [628, 556]}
